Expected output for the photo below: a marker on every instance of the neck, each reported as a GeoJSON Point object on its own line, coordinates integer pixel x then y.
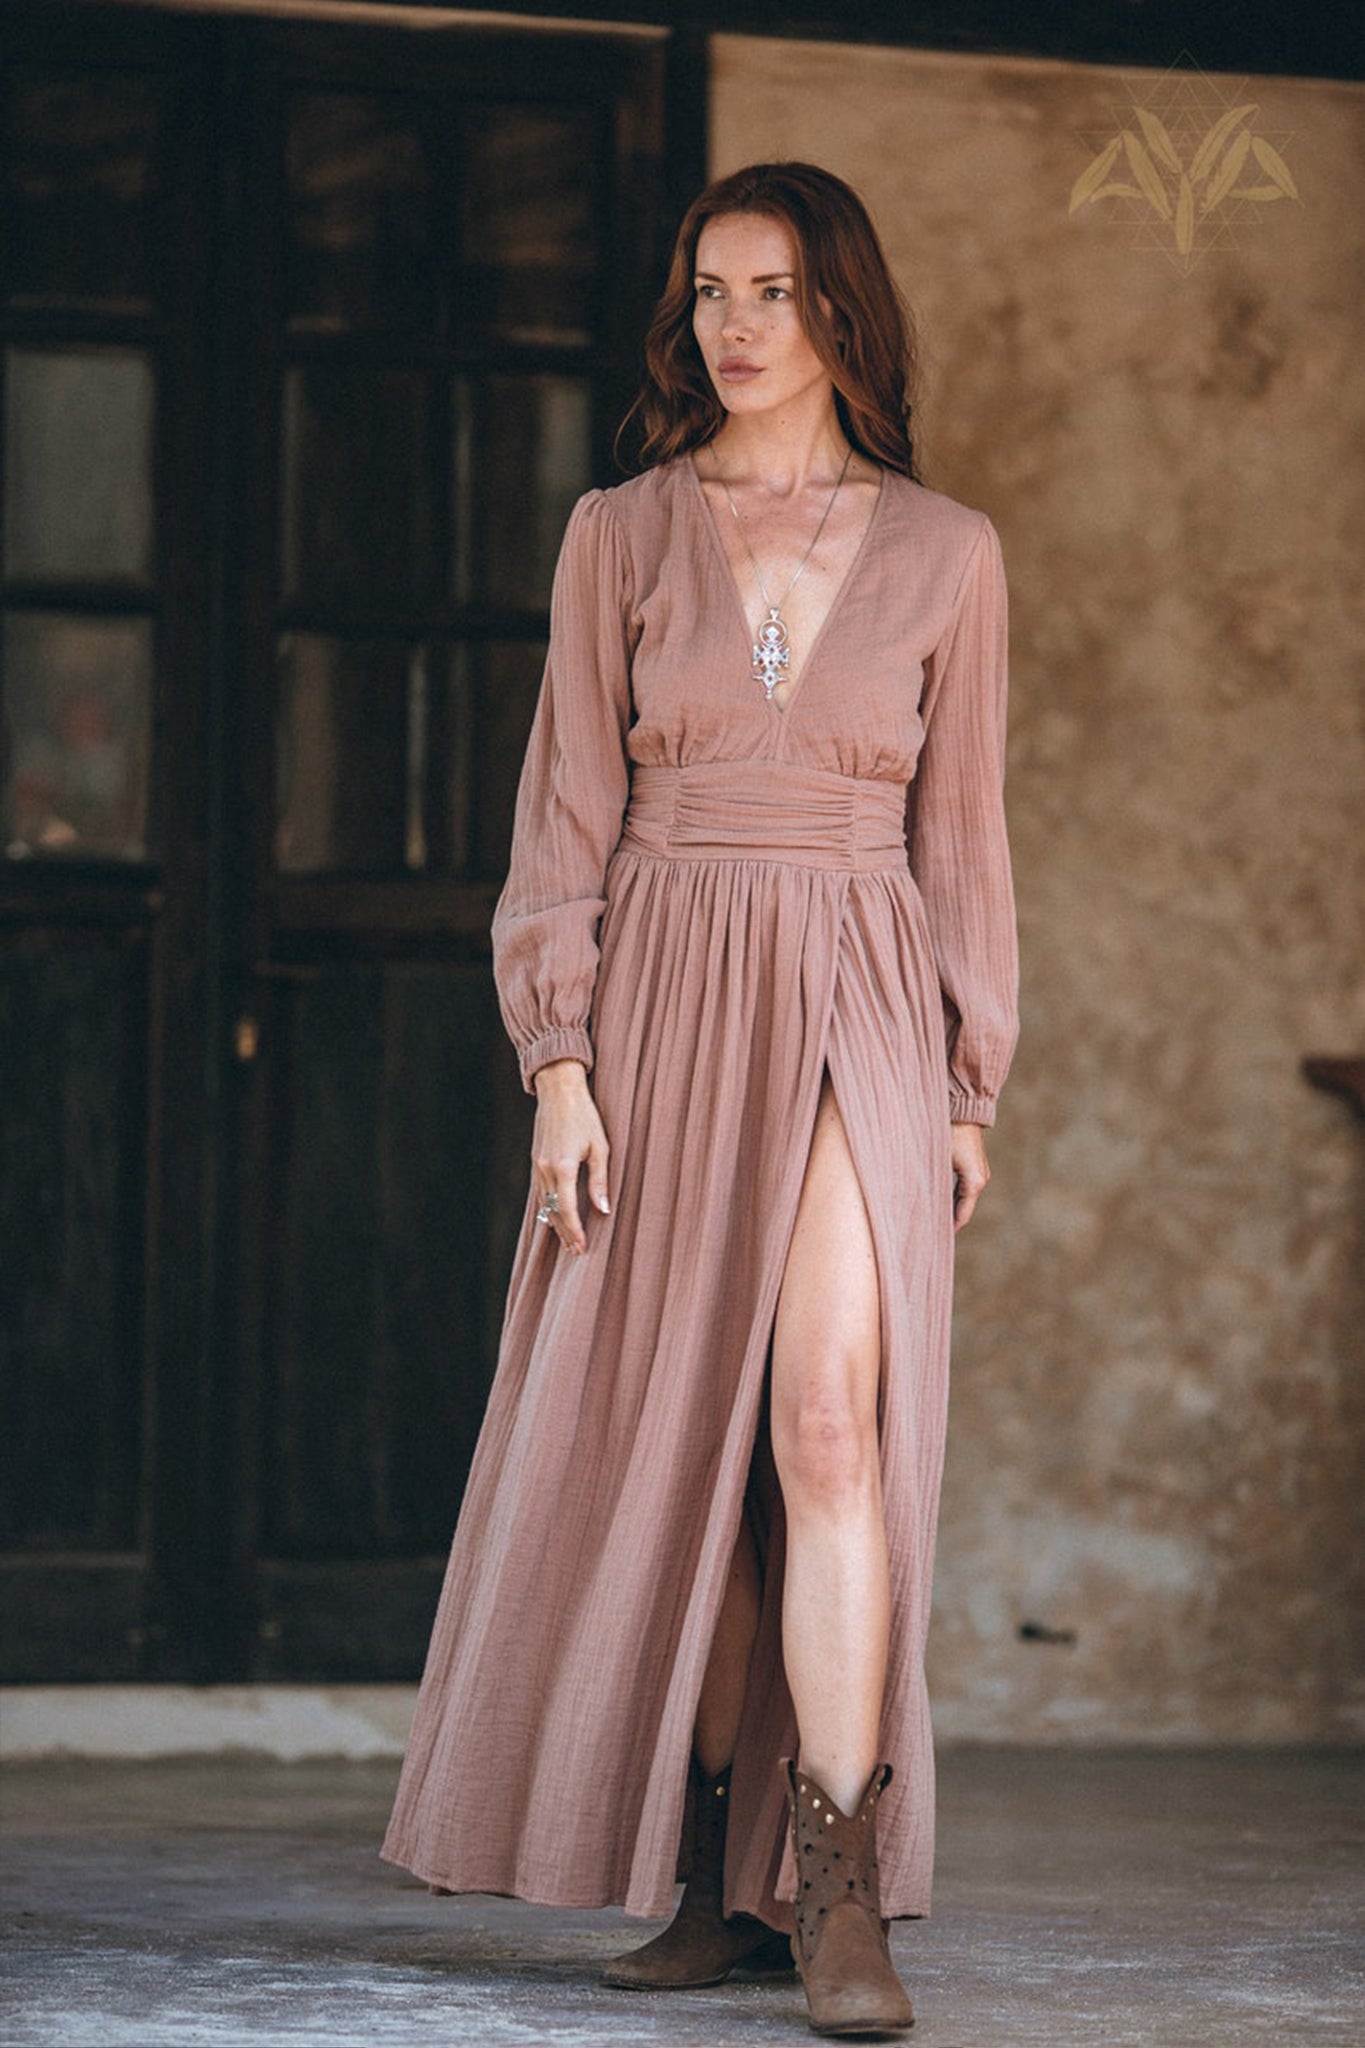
{"type": "Point", "coordinates": [784, 452]}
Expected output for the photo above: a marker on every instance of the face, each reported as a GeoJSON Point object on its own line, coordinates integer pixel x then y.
{"type": "Point", "coordinates": [756, 351]}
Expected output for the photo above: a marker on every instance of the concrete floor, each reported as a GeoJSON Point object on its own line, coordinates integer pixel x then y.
{"type": "Point", "coordinates": [1084, 1901]}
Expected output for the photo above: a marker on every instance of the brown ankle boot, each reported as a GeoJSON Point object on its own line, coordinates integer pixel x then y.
{"type": "Point", "coordinates": [841, 1946]}
{"type": "Point", "coordinates": [699, 1945]}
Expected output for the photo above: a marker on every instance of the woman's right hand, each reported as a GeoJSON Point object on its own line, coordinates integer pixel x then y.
{"type": "Point", "coordinates": [568, 1130]}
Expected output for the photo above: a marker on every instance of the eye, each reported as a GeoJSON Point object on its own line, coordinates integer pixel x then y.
{"type": "Point", "coordinates": [708, 291]}
{"type": "Point", "coordinates": [776, 291]}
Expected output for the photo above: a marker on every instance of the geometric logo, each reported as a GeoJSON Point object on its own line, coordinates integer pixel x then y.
{"type": "Point", "coordinates": [1186, 168]}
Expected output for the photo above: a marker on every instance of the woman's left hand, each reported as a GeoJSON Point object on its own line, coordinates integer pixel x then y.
{"type": "Point", "coordinates": [970, 1171]}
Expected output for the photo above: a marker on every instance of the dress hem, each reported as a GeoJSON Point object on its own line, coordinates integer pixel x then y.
{"type": "Point", "coordinates": [570, 1900]}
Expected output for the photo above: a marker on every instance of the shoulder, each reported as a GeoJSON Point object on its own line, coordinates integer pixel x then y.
{"type": "Point", "coordinates": [638, 521]}
{"type": "Point", "coordinates": [934, 513]}
{"type": "Point", "coordinates": [643, 499]}
{"type": "Point", "coordinates": [594, 534]}
{"type": "Point", "coordinates": [618, 535]}
{"type": "Point", "coordinates": [630, 509]}
{"type": "Point", "coordinates": [945, 533]}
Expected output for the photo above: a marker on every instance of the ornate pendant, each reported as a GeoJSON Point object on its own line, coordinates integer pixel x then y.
{"type": "Point", "coordinates": [772, 652]}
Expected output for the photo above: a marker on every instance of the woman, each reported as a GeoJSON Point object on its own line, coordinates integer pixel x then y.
{"type": "Point", "coordinates": [760, 891]}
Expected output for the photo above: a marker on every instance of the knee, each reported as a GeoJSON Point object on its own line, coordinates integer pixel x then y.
{"type": "Point", "coordinates": [826, 1452]}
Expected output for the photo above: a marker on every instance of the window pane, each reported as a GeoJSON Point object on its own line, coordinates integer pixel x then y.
{"type": "Point", "coordinates": [359, 254]}
{"type": "Point", "coordinates": [76, 735]}
{"type": "Point", "coordinates": [343, 755]}
{"type": "Point", "coordinates": [353, 521]}
{"type": "Point", "coordinates": [76, 217]}
{"type": "Point", "coordinates": [529, 224]}
{"type": "Point", "coordinates": [78, 463]}
{"type": "Point", "coordinates": [510, 673]}
{"type": "Point", "coordinates": [520, 468]}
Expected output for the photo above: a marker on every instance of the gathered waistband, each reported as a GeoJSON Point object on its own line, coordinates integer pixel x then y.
{"type": "Point", "coordinates": [765, 810]}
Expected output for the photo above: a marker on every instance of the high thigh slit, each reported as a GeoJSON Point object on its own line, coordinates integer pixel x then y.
{"type": "Point", "coordinates": [879, 1280]}
{"type": "Point", "coordinates": [710, 901]}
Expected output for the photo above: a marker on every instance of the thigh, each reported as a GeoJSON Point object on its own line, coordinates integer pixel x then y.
{"type": "Point", "coordinates": [827, 1331]}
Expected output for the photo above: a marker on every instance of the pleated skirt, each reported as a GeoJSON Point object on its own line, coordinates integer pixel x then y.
{"type": "Point", "coordinates": [761, 923]}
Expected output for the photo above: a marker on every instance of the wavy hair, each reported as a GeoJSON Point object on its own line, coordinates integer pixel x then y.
{"type": "Point", "coordinates": [866, 340]}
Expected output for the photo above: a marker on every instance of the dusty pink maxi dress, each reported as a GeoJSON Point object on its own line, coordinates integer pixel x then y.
{"type": "Point", "coordinates": [710, 899]}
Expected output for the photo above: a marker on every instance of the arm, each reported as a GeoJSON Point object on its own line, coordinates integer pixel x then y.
{"type": "Point", "coordinates": [571, 798]}
{"type": "Point", "coordinates": [959, 852]}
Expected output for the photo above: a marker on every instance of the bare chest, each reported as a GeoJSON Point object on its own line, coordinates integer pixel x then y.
{"type": "Point", "coordinates": [773, 563]}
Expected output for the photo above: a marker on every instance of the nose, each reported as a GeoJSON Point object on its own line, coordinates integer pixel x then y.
{"type": "Point", "coordinates": [738, 322]}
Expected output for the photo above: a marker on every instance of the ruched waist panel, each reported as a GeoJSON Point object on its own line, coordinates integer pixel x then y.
{"type": "Point", "coordinates": [765, 810]}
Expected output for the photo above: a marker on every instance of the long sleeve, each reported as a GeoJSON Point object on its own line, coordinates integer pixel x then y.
{"type": "Point", "coordinates": [956, 836]}
{"type": "Point", "coordinates": [571, 799]}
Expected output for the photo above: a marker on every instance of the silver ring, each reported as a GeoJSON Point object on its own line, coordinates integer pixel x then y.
{"type": "Point", "coordinates": [549, 1203]}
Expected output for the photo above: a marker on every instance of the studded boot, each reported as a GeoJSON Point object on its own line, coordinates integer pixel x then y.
{"type": "Point", "coordinates": [841, 1947]}
{"type": "Point", "coordinates": [700, 1946]}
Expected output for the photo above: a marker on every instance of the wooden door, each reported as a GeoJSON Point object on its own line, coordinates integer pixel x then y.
{"type": "Point", "coordinates": [312, 336]}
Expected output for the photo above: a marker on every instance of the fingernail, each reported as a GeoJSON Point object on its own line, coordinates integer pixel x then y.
{"type": "Point", "coordinates": [604, 1205]}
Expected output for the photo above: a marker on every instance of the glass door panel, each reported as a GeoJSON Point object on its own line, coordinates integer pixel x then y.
{"type": "Point", "coordinates": [349, 754]}
{"type": "Point", "coordinates": [359, 249]}
{"type": "Point", "coordinates": [530, 218]}
{"type": "Point", "coordinates": [76, 735]}
{"type": "Point", "coordinates": [353, 520]}
{"type": "Point", "coordinates": [78, 219]}
{"type": "Point", "coordinates": [78, 464]}
{"type": "Point", "coordinates": [523, 456]}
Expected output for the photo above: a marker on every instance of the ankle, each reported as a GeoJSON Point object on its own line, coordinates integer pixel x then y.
{"type": "Point", "coordinates": [844, 1783]}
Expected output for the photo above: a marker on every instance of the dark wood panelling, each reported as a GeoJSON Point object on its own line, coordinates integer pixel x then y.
{"type": "Point", "coordinates": [75, 1619]}
{"type": "Point", "coordinates": [377, 1363]}
{"type": "Point", "coordinates": [73, 1029]}
{"type": "Point", "coordinates": [371, 1616]}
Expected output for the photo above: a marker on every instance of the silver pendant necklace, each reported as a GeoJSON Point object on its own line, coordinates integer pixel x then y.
{"type": "Point", "coordinates": [772, 651]}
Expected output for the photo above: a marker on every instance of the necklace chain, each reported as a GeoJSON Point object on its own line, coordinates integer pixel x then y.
{"type": "Point", "coordinates": [772, 649]}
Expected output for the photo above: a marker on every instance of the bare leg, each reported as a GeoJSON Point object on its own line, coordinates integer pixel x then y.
{"type": "Point", "coordinates": [826, 1367]}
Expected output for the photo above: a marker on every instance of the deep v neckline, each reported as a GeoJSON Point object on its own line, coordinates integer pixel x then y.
{"type": "Point", "coordinates": [708, 516]}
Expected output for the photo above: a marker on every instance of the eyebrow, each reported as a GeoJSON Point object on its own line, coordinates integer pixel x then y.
{"type": "Point", "coordinates": [769, 277]}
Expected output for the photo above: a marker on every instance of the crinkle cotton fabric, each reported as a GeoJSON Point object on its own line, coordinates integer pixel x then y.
{"type": "Point", "coordinates": [710, 899]}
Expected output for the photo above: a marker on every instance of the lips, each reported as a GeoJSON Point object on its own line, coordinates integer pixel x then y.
{"type": "Point", "coordinates": [737, 369]}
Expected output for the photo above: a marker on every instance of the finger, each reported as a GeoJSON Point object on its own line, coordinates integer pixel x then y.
{"type": "Point", "coordinates": [566, 1216]}
{"type": "Point", "coordinates": [597, 1175]}
{"type": "Point", "coordinates": [545, 1182]}
{"type": "Point", "coordinates": [555, 1220]}
{"type": "Point", "coordinates": [967, 1195]}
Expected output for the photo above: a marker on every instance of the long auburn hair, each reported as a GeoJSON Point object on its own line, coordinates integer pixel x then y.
{"type": "Point", "coordinates": [866, 341]}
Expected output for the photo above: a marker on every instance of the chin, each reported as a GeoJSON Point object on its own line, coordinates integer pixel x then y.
{"type": "Point", "coordinates": [744, 398]}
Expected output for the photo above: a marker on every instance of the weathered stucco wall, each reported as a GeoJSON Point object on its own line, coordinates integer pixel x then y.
{"type": "Point", "coordinates": [1157, 1419]}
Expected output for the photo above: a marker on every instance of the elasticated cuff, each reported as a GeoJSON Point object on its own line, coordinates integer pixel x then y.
{"type": "Point", "coordinates": [563, 1042]}
{"type": "Point", "coordinates": [971, 1109]}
